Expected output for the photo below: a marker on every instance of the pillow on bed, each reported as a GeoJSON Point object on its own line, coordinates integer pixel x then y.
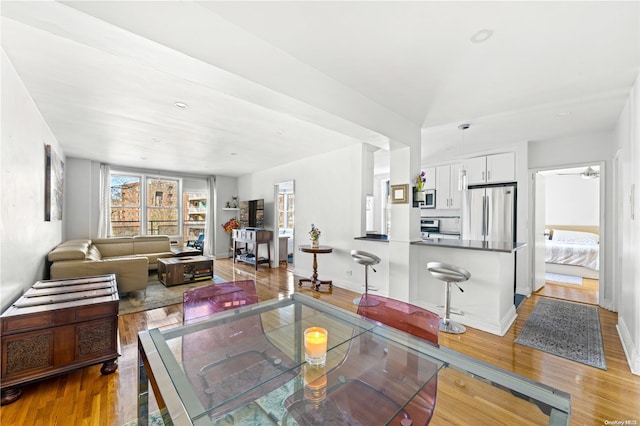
{"type": "Point", "coordinates": [576, 237]}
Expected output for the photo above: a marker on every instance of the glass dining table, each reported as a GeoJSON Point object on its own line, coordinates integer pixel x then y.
{"type": "Point", "coordinates": [247, 366]}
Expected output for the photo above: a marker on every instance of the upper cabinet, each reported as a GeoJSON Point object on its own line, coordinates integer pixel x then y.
{"type": "Point", "coordinates": [447, 194]}
{"type": "Point", "coordinates": [430, 176]}
{"type": "Point", "coordinates": [494, 168]}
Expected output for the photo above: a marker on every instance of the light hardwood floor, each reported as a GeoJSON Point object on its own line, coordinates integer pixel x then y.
{"type": "Point", "coordinates": [587, 293]}
{"type": "Point", "coordinates": [599, 397]}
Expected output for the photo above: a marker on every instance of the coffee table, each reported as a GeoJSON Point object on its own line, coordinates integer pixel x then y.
{"type": "Point", "coordinates": [186, 269]}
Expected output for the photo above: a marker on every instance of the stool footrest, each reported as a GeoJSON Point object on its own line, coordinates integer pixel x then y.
{"type": "Point", "coordinates": [453, 310]}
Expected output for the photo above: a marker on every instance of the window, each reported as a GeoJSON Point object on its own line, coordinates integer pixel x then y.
{"type": "Point", "coordinates": [145, 205]}
{"type": "Point", "coordinates": [285, 210]}
{"type": "Point", "coordinates": [195, 211]}
{"type": "Point", "coordinates": [162, 207]}
{"type": "Point", "coordinates": [125, 205]}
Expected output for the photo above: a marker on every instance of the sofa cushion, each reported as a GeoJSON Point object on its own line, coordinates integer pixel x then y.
{"type": "Point", "coordinates": [94, 254]}
{"type": "Point", "coordinates": [115, 246]}
{"type": "Point", "coordinates": [151, 244]}
{"type": "Point", "coordinates": [68, 252]}
{"type": "Point", "coordinates": [153, 258]}
{"type": "Point", "coordinates": [78, 242]}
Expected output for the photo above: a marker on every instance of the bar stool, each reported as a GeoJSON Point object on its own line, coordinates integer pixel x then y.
{"type": "Point", "coordinates": [368, 260]}
{"type": "Point", "coordinates": [450, 274]}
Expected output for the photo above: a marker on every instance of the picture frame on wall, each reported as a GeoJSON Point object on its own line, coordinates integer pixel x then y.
{"type": "Point", "coordinates": [400, 194]}
{"type": "Point", "coordinates": [53, 185]}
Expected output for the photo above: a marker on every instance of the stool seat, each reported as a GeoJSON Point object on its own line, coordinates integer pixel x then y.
{"type": "Point", "coordinates": [445, 272]}
{"type": "Point", "coordinates": [368, 260]}
{"type": "Point", "coordinates": [449, 274]}
{"type": "Point", "coordinates": [364, 258]}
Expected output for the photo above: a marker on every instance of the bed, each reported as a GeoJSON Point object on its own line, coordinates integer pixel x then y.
{"type": "Point", "coordinates": [573, 250]}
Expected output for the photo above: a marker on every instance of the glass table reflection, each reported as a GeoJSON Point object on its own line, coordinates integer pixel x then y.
{"type": "Point", "coordinates": [247, 366]}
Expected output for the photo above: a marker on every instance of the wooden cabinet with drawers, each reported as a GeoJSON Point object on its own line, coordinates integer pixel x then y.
{"type": "Point", "coordinates": [58, 326]}
{"type": "Point", "coordinates": [251, 237]}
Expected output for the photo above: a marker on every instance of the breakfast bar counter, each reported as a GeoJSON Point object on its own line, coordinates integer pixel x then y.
{"type": "Point", "coordinates": [471, 244]}
{"type": "Point", "coordinates": [487, 302]}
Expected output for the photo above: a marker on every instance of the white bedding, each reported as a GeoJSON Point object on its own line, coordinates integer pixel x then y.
{"type": "Point", "coordinates": [568, 253]}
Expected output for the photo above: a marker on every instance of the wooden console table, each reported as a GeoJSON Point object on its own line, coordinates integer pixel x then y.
{"type": "Point", "coordinates": [254, 237]}
{"type": "Point", "coordinates": [185, 269]}
{"type": "Point", "coordinates": [58, 326]}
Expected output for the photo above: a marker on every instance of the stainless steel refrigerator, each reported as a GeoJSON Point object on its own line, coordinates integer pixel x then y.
{"type": "Point", "coordinates": [489, 213]}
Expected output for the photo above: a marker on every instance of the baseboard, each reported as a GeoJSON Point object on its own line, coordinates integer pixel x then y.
{"type": "Point", "coordinates": [607, 304]}
{"type": "Point", "coordinates": [630, 349]}
{"type": "Point", "coordinates": [498, 328]}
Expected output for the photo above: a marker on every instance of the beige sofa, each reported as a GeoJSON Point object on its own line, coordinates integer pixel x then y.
{"type": "Point", "coordinates": [130, 258]}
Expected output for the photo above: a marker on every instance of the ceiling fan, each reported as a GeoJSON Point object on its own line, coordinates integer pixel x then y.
{"type": "Point", "coordinates": [588, 173]}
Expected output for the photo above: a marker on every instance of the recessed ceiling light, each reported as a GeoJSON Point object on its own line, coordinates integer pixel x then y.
{"type": "Point", "coordinates": [281, 132]}
{"type": "Point", "coordinates": [155, 140]}
{"type": "Point", "coordinates": [181, 105]}
{"type": "Point", "coordinates": [481, 36]}
{"type": "Point", "coordinates": [564, 114]}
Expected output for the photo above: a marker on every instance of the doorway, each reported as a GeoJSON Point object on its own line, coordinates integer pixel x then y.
{"type": "Point", "coordinates": [569, 203]}
{"type": "Point", "coordinates": [285, 214]}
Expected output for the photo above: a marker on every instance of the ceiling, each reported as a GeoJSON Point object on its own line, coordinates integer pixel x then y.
{"type": "Point", "coordinates": [267, 83]}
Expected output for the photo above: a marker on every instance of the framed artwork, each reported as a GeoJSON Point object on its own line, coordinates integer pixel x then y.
{"type": "Point", "coordinates": [53, 185]}
{"type": "Point", "coordinates": [400, 194]}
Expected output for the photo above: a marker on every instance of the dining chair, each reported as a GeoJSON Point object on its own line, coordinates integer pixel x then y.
{"type": "Point", "coordinates": [417, 322]}
{"type": "Point", "coordinates": [201, 302]}
{"type": "Point", "coordinates": [216, 373]}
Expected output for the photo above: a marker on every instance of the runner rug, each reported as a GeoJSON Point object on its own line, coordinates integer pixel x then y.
{"type": "Point", "coordinates": [566, 329]}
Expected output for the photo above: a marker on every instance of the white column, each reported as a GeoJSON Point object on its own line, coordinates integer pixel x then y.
{"type": "Point", "coordinates": [405, 222]}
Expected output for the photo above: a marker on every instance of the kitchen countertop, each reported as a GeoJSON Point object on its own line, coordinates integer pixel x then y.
{"type": "Point", "coordinates": [374, 237]}
{"type": "Point", "coordinates": [471, 245]}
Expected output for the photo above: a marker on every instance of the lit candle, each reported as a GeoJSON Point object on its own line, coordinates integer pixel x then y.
{"type": "Point", "coordinates": [315, 345]}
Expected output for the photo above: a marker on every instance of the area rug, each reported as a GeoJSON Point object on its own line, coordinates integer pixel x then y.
{"type": "Point", "coordinates": [565, 279]}
{"type": "Point", "coordinates": [158, 295]}
{"type": "Point", "coordinates": [566, 329]}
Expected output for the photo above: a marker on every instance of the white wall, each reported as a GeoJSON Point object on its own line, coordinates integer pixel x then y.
{"type": "Point", "coordinates": [329, 194]}
{"type": "Point", "coordinates": [627, 142]}
{"type": "Point", "coordinates": [26, 236]}
{"type": "Point", "coordinates": [572, 200]}
{"type": "Point", "coordinates": [226, 187]}
{"type": "Point", "coordinates": [81, 218]}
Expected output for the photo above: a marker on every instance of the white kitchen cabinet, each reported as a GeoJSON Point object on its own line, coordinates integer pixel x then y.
{"type": "Point", "coordinates": [495, 168]}
{"type": "Point", "coordinates": [447, 194]}
{"type": "Point", "coordinates": [430, 176]}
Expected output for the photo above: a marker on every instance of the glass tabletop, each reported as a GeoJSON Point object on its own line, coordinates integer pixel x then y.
{"type": "Point", "coordinates": [247, 366]}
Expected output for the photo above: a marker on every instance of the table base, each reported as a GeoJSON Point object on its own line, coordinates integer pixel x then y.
{"type": "Point", "coordinates": [316, 283]}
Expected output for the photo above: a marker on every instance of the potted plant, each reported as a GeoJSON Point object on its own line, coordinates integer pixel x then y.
{"type": "Point", "coordinates": [314, 234]}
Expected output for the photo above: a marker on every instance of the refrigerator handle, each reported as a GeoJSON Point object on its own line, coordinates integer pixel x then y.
{"type": "Point", "coordinates": [484, 209]}
{"type": "Point", "coordinates": [486, 217]}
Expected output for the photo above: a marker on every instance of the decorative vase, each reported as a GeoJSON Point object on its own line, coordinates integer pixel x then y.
{"type": "Point", "coordinates": [234, 202]}
{"type": "Point", "coordinates": [315, 243]}
{"type": "Point", "coordinates": [420, 196]}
